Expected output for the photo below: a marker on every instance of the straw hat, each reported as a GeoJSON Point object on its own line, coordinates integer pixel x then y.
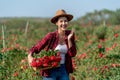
{"type": "Point", "coordinates": [61, 13]}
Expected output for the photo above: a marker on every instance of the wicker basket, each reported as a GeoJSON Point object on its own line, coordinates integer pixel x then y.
{"type": "Point", "coordinates": [50, 67]}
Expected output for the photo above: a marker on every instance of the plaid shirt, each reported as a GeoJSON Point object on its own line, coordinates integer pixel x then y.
{"type": "Point", "coordinates": [50, 41]}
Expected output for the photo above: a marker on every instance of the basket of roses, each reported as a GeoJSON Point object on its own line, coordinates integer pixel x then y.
{"type": "Point", "coordinates": [46, 60]}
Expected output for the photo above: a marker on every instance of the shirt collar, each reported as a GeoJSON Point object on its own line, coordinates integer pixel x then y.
{"type": "Point", "coordinates": [58, 34]}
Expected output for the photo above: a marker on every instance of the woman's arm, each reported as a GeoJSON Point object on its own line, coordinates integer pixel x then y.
{"type": "Point", "coordinates": [72, 47]}
{"type": "Point", "coordinates": [38, 47]}
{"type": "Point", "coordinates": [71, 44]}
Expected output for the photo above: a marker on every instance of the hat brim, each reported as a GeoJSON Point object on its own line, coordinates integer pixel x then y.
{"type": "Point", "coordinates": [68, 16]}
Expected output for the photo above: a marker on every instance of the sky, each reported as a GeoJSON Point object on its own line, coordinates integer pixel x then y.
{"type": "Point", "coordinates": [48, 8]}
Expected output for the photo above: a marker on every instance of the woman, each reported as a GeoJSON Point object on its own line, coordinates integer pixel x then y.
{"type": "Point", "coordinates": [62, 40]}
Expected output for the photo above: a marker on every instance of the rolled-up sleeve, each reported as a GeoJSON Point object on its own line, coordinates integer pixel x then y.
{"type": "Point", "coordinates": [40, 45]}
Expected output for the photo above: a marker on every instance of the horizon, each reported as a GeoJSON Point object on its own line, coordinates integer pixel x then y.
{"type": "Point", "coordinates": [48, 17]}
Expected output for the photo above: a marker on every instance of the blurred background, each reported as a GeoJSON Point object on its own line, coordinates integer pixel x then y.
{"type": "Point", "coordinates": [97, 27]}
{"type": "Point", "coordinates": [85, 12]}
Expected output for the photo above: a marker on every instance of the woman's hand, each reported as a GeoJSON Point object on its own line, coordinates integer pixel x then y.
{"type": "Point", "coordinates": [30, 58]}
{"type": "Point", "coordinates": [69, 38]}
{"type": "Point", "coordinates": [71, 34]}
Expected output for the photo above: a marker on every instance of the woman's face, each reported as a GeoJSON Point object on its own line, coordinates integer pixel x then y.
{"type": "Point", "coordinates": [62, 23]}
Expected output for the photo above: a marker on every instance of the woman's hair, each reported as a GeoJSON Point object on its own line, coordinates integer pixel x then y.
{"type": "Point", "coordinates": [59, 17]}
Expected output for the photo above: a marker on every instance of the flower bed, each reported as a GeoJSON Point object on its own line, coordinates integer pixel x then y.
{"type": "Point", "coordinates": [47, 60]}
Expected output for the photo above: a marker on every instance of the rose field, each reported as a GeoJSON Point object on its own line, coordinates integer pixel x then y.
{"type": "Point", "coordinates": [98, 50]}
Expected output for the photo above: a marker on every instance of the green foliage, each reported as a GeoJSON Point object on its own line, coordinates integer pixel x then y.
{"type": "Point", "coordinates": [92, 63]}
{"type": "Point", "coordinates": [47, 53]}
{"type": "Point", "coordinates": [101, 32]}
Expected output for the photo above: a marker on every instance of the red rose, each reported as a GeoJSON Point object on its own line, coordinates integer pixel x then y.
{"type": "Point", "coordinates": [99, 46]}
{"type": "Point", "coordinates": [100, 55]}
{"type": "Point", "coordinates": [116, 35]}
{"type": "Point", "coordinates": [46, 61]}
{"type": "Point", "coordinates": [58, 59]}
{"type": "Point", "coordinates": [54, 64]}
{"type": "Point", "coordinates": [46, 57]}
{"type": "Point", "coordinates": [52, 58]}
{"type": "Point", "coordinates": [45, 65]}
{"type": "Point", "coordinates": [34, 64]}
{"type": "Point", "coordinates": [39, 64]}
{"type": "Point", "coordinates": [58, 54]}
{"type": "Point", "coordinates": [15, 74]}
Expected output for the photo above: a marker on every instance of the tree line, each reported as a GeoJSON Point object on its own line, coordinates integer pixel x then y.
{"type": "Point", "coordinates": [105, 16]}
